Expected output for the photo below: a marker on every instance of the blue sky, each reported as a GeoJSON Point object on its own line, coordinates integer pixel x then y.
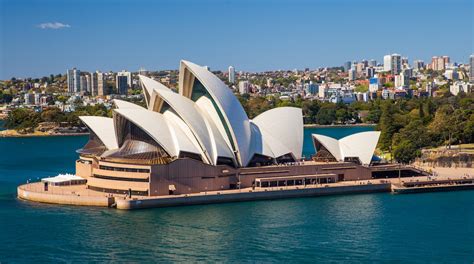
{"type": "Point", "coordinates": [48, 36]}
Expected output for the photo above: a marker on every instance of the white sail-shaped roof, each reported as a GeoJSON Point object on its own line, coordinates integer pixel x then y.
{"type": "Point", "coordinates": [103, 127]}
{"type": "Point", "coordinates": [361, 145]}
{"type": "Point", "coordinates": [170, 137]}
{"type": "Point", "coordinates": [210, 142]}
{"type": "Point", "coordinates": [230, 111]}
{"type": "Point", "coordinates": [121, 104]}
{"type": "Point", "coordinates": [282, 129]}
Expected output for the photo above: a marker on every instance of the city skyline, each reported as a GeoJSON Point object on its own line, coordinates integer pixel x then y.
{"type": "Point", "coordinates": [42, 38]}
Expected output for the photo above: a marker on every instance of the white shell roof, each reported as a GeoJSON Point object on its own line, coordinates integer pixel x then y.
{"type": "Point", "coordinates": [103, 127]}
{"type": "Point", "coordinates": [282, 129]}
{"type": "Point", "coordinates": [361, 145]}
{"type": "Point", "coordinates": [213, 126]}
{"type": "Point", "coordinates": [165, 133]}
{"type": "Point", "coordinates": [202, 129]}
{"type": "Point", "coordinates": [230, 107]}
{"type": "Point", "coordinates": [121, 104]}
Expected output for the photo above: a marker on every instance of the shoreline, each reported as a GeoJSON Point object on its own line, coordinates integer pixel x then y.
{"type": "Point", "coordinates": [338, 125]}
{"type": "Point", "coordinates": [15, 134]}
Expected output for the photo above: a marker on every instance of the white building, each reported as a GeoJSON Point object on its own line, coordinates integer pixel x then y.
{"type": "Point", "coordinates": [458, 87]}
{"type": "Point", "coordinates": [244, 87]}
{"type": "Point", "coordinates": [387, 63]}
{"type": "Point", "coordinates": [471, 68]}
{"type": "Point", "coordinates": [231, 74]}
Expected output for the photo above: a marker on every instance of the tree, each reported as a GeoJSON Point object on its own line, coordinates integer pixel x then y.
{"type": "Point", "coordinates": [23, 120]}
{"type": "Point", "coordinates": [326, 115]}
{"type": "Point", "coordinates": [405, 152]}
{"type": "Point", "coordinates": [386, 125]}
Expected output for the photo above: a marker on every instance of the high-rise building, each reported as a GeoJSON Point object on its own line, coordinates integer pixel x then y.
{"type": "Point", "coordinates": [88, 83]}
{"type": "Point", "coordinates": [83, 83]}
{"type": "Point", "coordinates": [94, 84]}
{"type": "Point", "coordinates": [123, 81]}
{"type": "Point", "coordinates": [73, 80]}
{"type": "Point", "coordinates": [121, 84]}
{"type": "Point", "coordinates": [396, 63]}
{"type": "Point", "coordinates": [471, 68]}
{"type": "Point", "coordinates": [128, 75]}
{"type": "Point", "coordinates": [231, 74]}
{"type": "Point", "coordinates": [418, 65]}
{"type": "Point", "coordinates": [372, 63]}
{"type": "Point", "coordinates": [102, 89]}
{"type": "Point", "coordinates": [347, 66]}
{"type": "Point", "coordinates": [387, 63]}
{"type": "Point", "coordinates": [439, 63]}
{"type": "Point", "coordinates": [352, 74]}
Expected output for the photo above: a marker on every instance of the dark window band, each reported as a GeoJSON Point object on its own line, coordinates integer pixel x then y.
{"type": "Point", "coordinates": [119, 178]}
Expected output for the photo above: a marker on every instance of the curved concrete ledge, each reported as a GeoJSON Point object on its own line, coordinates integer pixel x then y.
{"type": "Point", "coordinates": [66, 199]}
{"type": "Point", "coordinates": [248, 196]}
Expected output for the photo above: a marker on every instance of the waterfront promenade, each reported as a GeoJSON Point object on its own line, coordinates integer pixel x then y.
{"type": "Point", "coordinates": [80, 195]}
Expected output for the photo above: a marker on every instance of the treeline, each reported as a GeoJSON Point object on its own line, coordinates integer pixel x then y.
{"type": "Point", "coordinates": [25, 120]}
{"type": "Point", "coordinates": [407, 124]}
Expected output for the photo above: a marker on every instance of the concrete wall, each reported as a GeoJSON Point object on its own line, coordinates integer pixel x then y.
{"type": "Point", "coordinates": [63, 199]}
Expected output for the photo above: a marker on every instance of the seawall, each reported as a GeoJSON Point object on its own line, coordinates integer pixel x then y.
{"type": "Point", "coordinates": [248, 195]}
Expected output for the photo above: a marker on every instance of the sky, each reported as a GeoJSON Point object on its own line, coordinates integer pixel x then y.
{"type": "Point", "coordinates": [43, 37]}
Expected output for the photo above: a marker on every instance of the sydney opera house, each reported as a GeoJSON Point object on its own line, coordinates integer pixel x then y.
{"type": "Point", "coordinates": [201, 139]}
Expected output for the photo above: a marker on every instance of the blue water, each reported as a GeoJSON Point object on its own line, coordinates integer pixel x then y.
{"type": "Point", "coordinates": [373, 228]}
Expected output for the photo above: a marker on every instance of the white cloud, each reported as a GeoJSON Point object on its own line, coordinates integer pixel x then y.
{"type": "Point", "coordinates": [53, 25]}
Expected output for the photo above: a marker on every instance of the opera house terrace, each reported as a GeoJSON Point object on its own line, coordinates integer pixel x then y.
{"type": "Point", "coordinates": [201, 141]}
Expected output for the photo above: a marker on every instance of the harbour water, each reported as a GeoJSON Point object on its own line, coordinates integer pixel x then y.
{"type": "Point", "coordinates": [431, 227]}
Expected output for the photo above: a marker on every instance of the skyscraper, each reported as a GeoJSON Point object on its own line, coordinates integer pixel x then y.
{"type": "Point", "coordinates": [372, 63]}
{"type": "Point", "coordinates": [352, 74]}
{"type": "Point", "coordinates": [123, 81]}
{"type": "Point", "coordinates": [471, 68]}
{"type": "Point", "coordinates": [73, 80]}
{"type": "Point", "coordinates": [101, 84]}
{"type": "Point", "coordinates": [347, 66]}
{"type": "Point", "coordinates": [387, 63]}
{"type": "Point", "coordinates": [83, 83]}
{"type": "Point", "coordinates": [396, 62]}
{"type": "Point", "coordinates": [94, 87]}
{"type": "Point", "coordinates": [121, 84]}
{"type": "Point", "coordinates": [88, 83]}
{"type": "Point", "coordinates": [231, 74]}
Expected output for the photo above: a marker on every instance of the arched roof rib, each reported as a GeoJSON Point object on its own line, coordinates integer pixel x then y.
{"type": "Point", "coordinates": [210, 141]}
{"type": "Point", "coordinates": [228, 107]}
